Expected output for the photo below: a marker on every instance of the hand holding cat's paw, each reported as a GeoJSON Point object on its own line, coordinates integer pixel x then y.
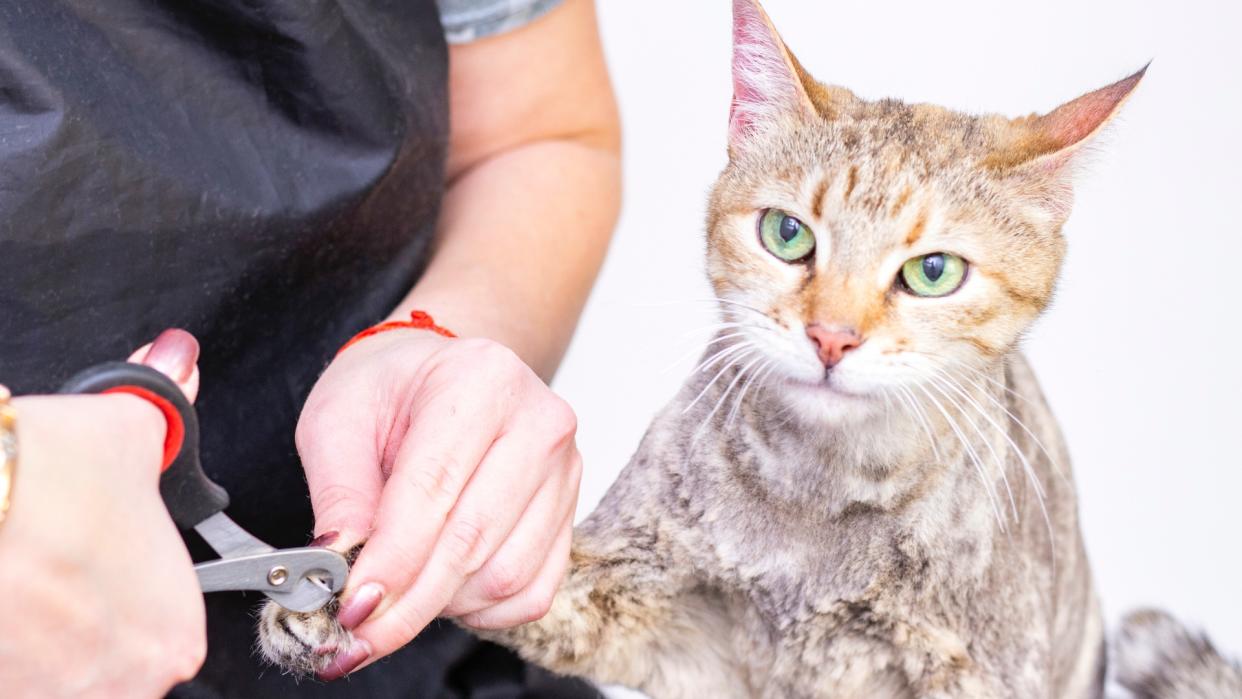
{"type": "Point", "coordinates": [460, 464]}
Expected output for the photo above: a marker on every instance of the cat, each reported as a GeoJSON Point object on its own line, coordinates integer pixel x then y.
{"type": "Point", "coordinates": [861, 491]}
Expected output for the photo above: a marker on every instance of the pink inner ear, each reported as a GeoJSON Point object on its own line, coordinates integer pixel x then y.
{"type": "Point", "coordinates": [1073, 121]}
{"type": "Point", "coordinates": [763, 84]}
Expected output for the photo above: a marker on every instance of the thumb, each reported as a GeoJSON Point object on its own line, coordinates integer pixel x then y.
{"type": "Point", "coordinates": [175, 354]}
{"type": "Point", "coordinates": [339, 455]}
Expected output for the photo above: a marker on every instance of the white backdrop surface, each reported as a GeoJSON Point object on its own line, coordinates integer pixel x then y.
{"type": "Point", "coordinates": [1139, 355]}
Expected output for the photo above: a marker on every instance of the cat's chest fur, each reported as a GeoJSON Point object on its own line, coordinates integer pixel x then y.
{"type": "Point", "coordinates": [816, 567]}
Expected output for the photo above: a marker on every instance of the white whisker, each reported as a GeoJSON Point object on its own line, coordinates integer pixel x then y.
{"type": "Point", "coordinates": [703, 348]}
{"type": "Point", "coordinates": [974, 457]}
{"type": "Point", "coordinates": [728, 389]}
{"type": "Point", "coordinates": [710, 329]}
{"type": "Point", "coordinates": [949, 379]}
{"type": "Point", "coordinates": [888, 409]}
{"type": "Point", "coordinates": [720, 373]}
{"type": "Point", "coordinates": [922, 417]}
{"type": "Point", "coordinates": [1056, 465]}
{"type": "Point", "coordinates": [989, 379]}
{"type": "Point", "coordinates": [711, 361]}
{"type": "Point", "coordinates": [741, 396]}
{"type": "Point", "coordinates": [1026, 464]}
{"type": "Point", "coordinates": [996, 457]}
{"type": "Point", "coordinates": [739, 304]}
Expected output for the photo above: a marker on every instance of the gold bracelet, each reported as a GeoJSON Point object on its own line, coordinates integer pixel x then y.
{"type": "Point", "coordinates": [8, 449]}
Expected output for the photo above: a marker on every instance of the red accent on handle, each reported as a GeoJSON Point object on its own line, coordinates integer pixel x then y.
{"type": "Point", "coordinates": [175, 435]}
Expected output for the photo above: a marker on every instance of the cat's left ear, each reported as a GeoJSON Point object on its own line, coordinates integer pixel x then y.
{"type": "Point", "coordinates": [767, 83]}
{"type": "Point", "coordinates": [1044, 148]}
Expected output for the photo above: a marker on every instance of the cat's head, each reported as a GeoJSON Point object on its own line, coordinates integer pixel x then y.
{"type": "Point", "coordinates": [864, 246]}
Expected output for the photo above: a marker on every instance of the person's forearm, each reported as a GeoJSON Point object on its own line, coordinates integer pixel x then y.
{"type": "Point", "coordinates": [521, 239]}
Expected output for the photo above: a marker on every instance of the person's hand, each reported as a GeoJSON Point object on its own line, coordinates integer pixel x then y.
{"type": "Point", "coordinates": [99, 596]}
{"type": "Point", "coordinates": [458, 466]}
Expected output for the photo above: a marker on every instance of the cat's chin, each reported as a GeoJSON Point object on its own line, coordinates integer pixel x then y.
{"type": "Point", "coordinates": [824, 401]}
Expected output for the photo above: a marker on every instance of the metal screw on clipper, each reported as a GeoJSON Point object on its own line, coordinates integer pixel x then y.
{"type": "Point", "coordinates": [278, 575]}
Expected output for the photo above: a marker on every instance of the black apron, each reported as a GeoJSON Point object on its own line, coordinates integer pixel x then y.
{"type": "Point", "coordinates": [265, 174]}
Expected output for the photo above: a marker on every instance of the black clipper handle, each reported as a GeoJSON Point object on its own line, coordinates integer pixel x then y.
{"type": "Point", "coordinates": [188, 493]}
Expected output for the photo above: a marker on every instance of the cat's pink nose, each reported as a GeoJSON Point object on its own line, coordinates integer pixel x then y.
{"type": "Point", "coordinates": [832, 342]}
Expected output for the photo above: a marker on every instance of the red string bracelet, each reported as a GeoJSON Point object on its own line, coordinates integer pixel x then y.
{"type": "Point", "coordinates": [418, 321]}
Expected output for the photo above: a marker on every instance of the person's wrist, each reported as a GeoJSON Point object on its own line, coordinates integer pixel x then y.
{"type": "Point", "coordinates": [417, 321]}
{"type": "Point", "coordinates": [111, 428]}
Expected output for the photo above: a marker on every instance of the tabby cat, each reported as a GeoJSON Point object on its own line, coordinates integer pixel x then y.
{"type": "Point", "coordinates": [860, 492]}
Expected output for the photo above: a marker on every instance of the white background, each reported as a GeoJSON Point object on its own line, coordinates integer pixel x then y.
{"type": "Point", "coordinates": [1139, 355]}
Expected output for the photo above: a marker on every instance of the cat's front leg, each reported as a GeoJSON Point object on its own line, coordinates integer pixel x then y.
{"type": "Point", "coordinates": [627, 614]}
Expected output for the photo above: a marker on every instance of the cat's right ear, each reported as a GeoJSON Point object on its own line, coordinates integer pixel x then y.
{"type": "Point", "coordinates": [767, 87]}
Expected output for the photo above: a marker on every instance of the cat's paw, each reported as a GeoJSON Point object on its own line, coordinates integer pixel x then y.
{"type": "Point", "coordinates": [302, 645]}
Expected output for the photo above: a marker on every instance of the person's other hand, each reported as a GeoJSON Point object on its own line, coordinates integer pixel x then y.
{"type": "Point", "coordinates": [99, 594]}
{"type": "Point", "coordinates": [458, 466]}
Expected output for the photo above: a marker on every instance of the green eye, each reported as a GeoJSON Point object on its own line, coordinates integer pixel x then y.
{"type": "Point", "coordinates": [785, 236]}
{"type": "Point", "coordinates": [937, 274]}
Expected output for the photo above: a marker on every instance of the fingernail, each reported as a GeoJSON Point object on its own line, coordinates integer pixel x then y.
{"type": "Point", "coordinates": [325, 539]}
{"type": "Point", "coordinates": [360, 605]}
{"type": "Point", "coordinates": [342, 665]}
{"type": "Point", "coordinates": [174, 352]}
